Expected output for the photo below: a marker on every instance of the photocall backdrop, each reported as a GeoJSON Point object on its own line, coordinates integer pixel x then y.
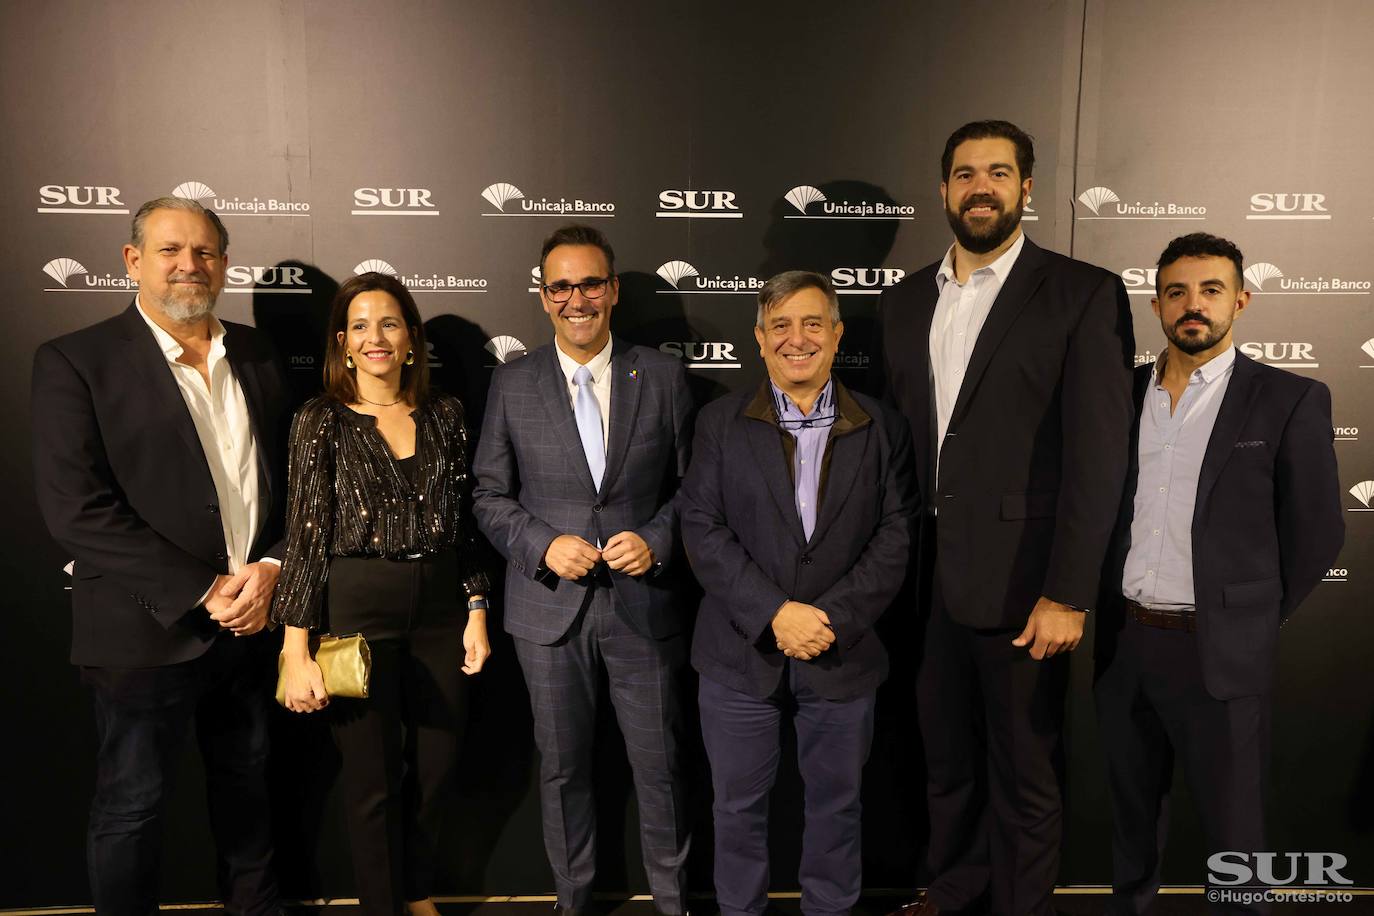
{"type": "Point", "coordinates": [715, 143]}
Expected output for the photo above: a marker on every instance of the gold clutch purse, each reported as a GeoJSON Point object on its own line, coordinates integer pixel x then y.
{"type": "Point", "coordinates": [345, 662]}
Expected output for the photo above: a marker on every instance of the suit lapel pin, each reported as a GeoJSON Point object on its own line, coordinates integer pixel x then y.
{"type": "Point", "coordinates": [634, 373]}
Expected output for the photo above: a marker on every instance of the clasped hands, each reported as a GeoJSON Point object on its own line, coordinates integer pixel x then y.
{"type": "Point", "coordinates": [802, 630]}
{"type": "Point", "coordinates": [239, 603]}
{"type": "Point", "coordinates": [570, 557]}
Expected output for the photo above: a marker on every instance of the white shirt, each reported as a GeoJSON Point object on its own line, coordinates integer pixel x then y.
{"type": "Point", "coordinates": [959, 315]}
{"type": "Point", "coordinates": [220, 415]}
{"type": "Point", "coordinates": [599, 366]}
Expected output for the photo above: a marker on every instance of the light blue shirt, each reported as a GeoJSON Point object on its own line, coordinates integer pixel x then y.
{"type": "Point", "coordinates": [1159, 565]}
{"type": "Point", "coordinates": [810, 430]}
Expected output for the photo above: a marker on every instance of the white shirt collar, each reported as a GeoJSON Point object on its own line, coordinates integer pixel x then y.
{"type": "Point", "coordinates": [1208, 372]}
{"type": "Point", "coordinates": [168, 344]}
{"type": "Point", "coordinates": [1000, 267]}
{"type": "Point", "coordinates": [596, 365]}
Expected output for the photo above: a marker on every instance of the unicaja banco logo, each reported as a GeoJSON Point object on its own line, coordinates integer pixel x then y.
{"type": "Point", "coordinates": [1364, 492]}
{"type": "Point", "coordinates": [64, 272]}
{"type": "Point", "coordinates": [421, 283]}
{"type": "Point", "coordinates": [80, 198]}
{"type": "Point", "coordinates": [1263, 272]}
{"type": "Point", "coordinates": [505, 348]}
{"type": "Point", "coordinates": [1368, 349]}
{"type": "Point", "coordinates": [810, 202]}
{"type": "Point", "coordinates": [1104, 203]}
{"type": "Point", "coordinates": [684, 278]}
{"type": "Point", "coordinates": [63, 269]}
{"type": "Point", "coordinates": [202, 193]}
{"type": "Point", "coordinates": [508, 200]}
{"type": "Point", "coordinates": [674, 272]}
{"type": "Point", "coordinates": [684, 204]}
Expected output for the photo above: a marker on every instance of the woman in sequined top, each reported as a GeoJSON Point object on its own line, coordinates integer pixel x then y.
{"type": "Point", "coordinates": [379, 542]}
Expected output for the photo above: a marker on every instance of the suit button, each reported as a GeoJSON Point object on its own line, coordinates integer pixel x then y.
{"type": "Point", "coordinates": [806, 559]}
{"type": "Point", "coordinates": [220, 556]}
{"type": "Point", "coordinates": [212, 509]}
{"type": "Point", "coordinates": [596, 508]}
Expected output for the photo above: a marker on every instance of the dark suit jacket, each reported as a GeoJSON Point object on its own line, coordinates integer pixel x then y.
{"type": "Point", "coordinates": [745, 542]}
{"type": "Point", "coordinates": [1267, 523]}
{"type": "Point", "coordinates": [533, 484]}
{"type": "Point", "coordinates": [1035, 455]}
{"type": "Point", "coordinates": [124, 486]}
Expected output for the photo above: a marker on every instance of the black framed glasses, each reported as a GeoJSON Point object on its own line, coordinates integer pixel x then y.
{"type": "Point", "coordinates": [594, 288]}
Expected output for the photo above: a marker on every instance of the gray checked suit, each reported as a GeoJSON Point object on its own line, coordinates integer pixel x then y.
{"type": "Point", "coordinates": [533, 484]}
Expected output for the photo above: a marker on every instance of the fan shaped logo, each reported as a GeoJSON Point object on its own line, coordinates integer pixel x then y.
{"type": "Point", "coordinates": [1288, 206]}
{"type": "Point", "coordinates": [1262, 272]}
{"type": "Point", "coordinates": [283, 278]}
{"type": "Point", "coordinates": [679, 204]}
{"type": "Point", "coordinates": [702, 354]}
{"type": "Point", "coordinates": [80, 198]}
{"type": "Point", "coordinates": [1284, 354]}
{"type": "Point", "coordinates": [810, 202]}
{"type": "Point", "coordinates": [1364, 492]}
{"type": "Point", "coordinates": [865, 281]}
{"type": "Point", "coordinates": [1367, 348]}
{"type": "Point", "coordinates": [1103, 203]}
{"type": "Point", "coordinates": [423, 283]}
{"type": "Point", "coordinates": [64, 272]}
{"type": "Point", "coordinates": [686, 279]}
{"type": "Point", "coordinates": [202, 193]}
{"type": "Point", "coordinates": [506, 199]}
{"type": "Point", "coordinates": [505, 349]}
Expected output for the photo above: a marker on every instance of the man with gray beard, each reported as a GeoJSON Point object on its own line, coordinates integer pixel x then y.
{"type": "Point", "coordinates": [156, 465]}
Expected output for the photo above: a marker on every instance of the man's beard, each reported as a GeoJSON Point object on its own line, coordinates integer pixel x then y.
{"type": "Point", "coordinates": [989, 233]}
{"type": "Point", "coordinates": [186, 304]}
{"type": "Point", "coordinates": [1191, 345]}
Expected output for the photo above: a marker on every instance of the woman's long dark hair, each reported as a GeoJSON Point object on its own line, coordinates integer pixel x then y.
{"type": "Point", "coordinates": [339, 382]}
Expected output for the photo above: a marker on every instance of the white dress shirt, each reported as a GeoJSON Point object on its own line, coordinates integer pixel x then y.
{"type": "Point", "coordinates": [220, 415]}
{"type": "Point", "coordinates": [959, 315]}
{"type": "Point", "coordinates": [1159, 564]}
{"type": "Point", "coordinates": [599, 366]}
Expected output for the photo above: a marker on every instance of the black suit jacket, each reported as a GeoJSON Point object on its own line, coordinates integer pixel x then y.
{"type": "Point", "coordinates": [124, 486]}
{"type": "Point", "coordinates": [1035, 455]}
{"type": "Point", "coordinates": [1267, 523]}
{"type": "Point", "coordinates": [745, 541]}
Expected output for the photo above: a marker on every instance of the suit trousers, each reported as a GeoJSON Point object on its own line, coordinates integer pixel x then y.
{"type": "Point", "coordinates": [742, 739]}
{"type": "Point", "coordinates": [563, 681]}
{"type": "Point", "coordinates": [399, 746]}
{"type": "Point", "coordinates": [1152, 706]}
{"type": "Point", "coordinates": [991, 719]}
{"type": "Point", "coordinates": [142, 716]}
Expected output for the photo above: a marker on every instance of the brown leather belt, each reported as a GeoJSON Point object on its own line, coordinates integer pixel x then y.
{"type": "Point", "coordinates": [1185, 620]}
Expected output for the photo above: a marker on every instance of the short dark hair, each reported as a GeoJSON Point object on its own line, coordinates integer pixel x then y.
{"type": "Point", "coordinates": [339, 382]}
{"type": "Point", "coordinates": [987, 130]}
{"type": "Point", "coordinates": [783, 285]}
{"type": "Point", "coordinates": [577, 234]}
{"type": "Point", "coordinates": [176, 203]}
{"type": "Point", "coordinates": [1201, 245]}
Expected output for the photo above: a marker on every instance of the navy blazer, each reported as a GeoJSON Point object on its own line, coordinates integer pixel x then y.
{"type": "Point", "coordinates": [745, 541]}
{"type": "Point", "coordinates": [533, 484]}
{"type": "Point", "coordinates": [123, 485]}
{"type": "Point", "coordinates": [1267, 523]}
{"type": "Point", "coordinates": [1035, 453]}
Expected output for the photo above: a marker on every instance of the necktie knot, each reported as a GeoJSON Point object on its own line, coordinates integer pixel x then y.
{"type": "Point", "coordinates": [583, 376]}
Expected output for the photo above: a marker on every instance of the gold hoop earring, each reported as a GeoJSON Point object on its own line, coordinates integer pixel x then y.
{"type": "Point", "coordinates": [410, 358]}
{"type": "Point", "coordinates": [348, 359]}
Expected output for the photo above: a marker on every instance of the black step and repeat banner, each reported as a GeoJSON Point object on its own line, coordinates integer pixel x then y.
{"type": "Point", "coordinates": [715, 143]}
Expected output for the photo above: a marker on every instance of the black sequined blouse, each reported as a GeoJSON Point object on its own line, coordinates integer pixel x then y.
{"type": "Point", "coordinates": [347, 497]}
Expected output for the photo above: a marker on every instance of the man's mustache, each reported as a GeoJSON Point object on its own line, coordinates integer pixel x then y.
{"type": "Point", "coordinates": [980, 200]}
{"type": "Point", "coordinates": [1192, 316]}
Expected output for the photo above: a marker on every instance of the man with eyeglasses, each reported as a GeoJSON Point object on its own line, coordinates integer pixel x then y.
{"type": "Point", "coordinates": [796, 516]}
{"type": "Point", "coordinates": [583, 446]}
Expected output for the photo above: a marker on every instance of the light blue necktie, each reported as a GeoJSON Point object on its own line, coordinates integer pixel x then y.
{"type": "Point", "coordinates": [588, 414]}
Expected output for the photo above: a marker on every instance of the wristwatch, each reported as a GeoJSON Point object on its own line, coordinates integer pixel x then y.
{"type": "Point", "coordinates": [478, 604]}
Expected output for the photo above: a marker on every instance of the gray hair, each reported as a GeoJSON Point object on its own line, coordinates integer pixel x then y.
{"type": "Point", "coordinates": [176, 203]}
{"type": "Point", "coordinates": [782, 285]}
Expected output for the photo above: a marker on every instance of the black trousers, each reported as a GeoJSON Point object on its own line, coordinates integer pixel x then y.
{"type": "Point", "coordinates": [563, 680]}
{"type": "Point", "coordinates": [743, 742]}
{"type": "Point", "coordinates": [399, 747]}
{"type": "Point", "coordinates": [991, 721]}
{"type": "Point", "coordinates": [1152, 705]}
{"type": "Point", "coordinates": [142, 716]}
